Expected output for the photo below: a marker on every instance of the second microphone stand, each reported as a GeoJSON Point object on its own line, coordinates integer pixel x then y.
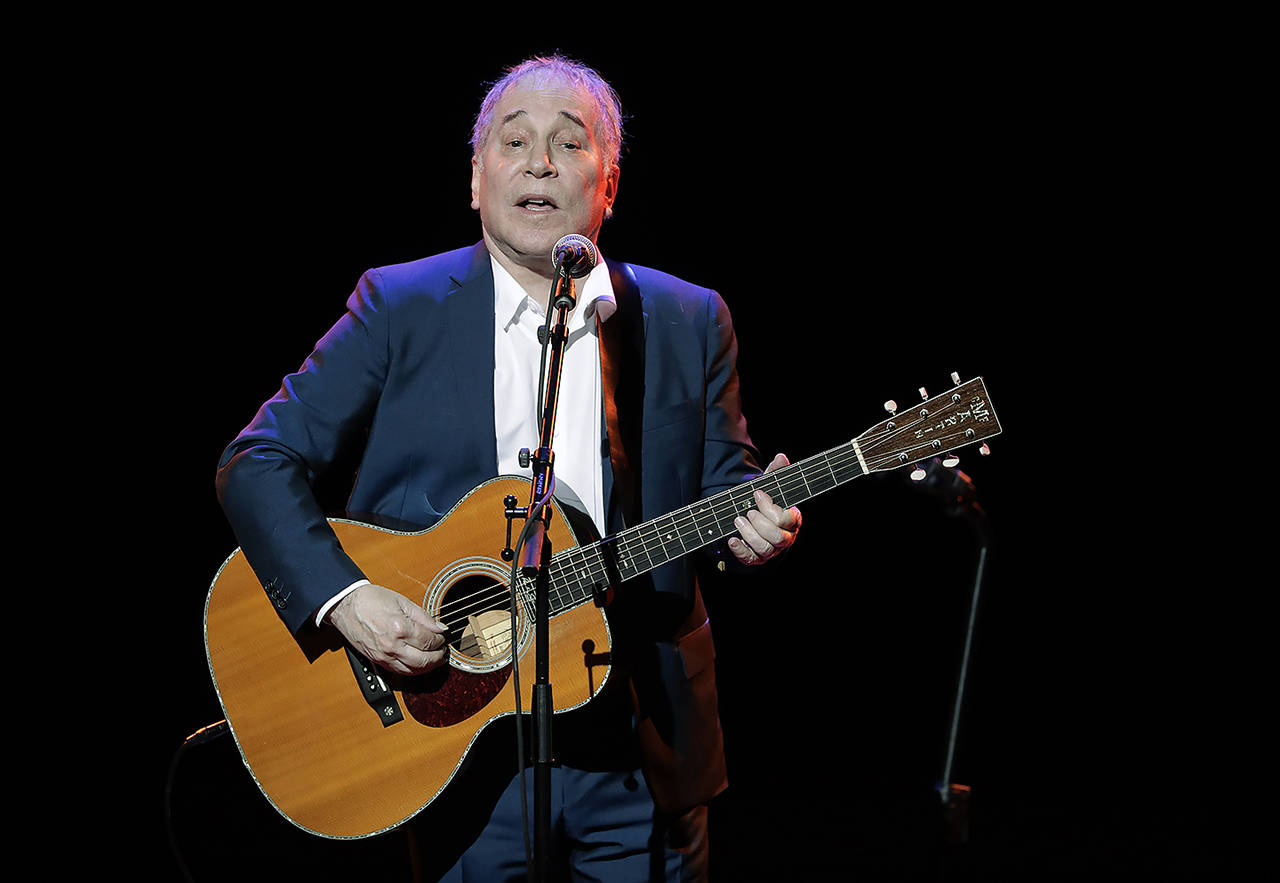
{"type": "Point", "coordinates": [534, 562]}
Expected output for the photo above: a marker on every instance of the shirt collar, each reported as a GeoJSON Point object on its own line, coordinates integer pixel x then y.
{"type": "Point", "coordinates": [595, 296]}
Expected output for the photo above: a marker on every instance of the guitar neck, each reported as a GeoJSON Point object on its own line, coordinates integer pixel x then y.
{"type": "Point", "coordinates": [640, 549]}
{"type": "Point", "coordinates": [961, 416]}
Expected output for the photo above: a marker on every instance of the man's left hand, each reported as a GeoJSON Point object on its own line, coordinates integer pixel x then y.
{"type": "Point", "coordinates": [766, 531]}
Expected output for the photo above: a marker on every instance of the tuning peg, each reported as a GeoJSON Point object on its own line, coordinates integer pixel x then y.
{"type": "Point", "coordinates": [955, 377]}
{"type": "Point", "coordinates": [951, 461]}
{"type": "Point", "coordinates": [924, 394]}
{"type": "Point", "coordinates": [892, 407]}
{"type": "Point", "coordinates": [985, 450]}
{"type": "Point", "coordinates": [918, 473]}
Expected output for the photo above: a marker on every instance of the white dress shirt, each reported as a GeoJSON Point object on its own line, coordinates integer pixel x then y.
{"type": "Point", "coordinates": [517, 354]}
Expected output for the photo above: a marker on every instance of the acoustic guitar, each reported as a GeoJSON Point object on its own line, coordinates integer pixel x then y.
{"type": "Point", "coordinates": [343, 749]}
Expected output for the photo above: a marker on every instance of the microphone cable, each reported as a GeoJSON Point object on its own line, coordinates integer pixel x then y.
{"type": "Point", "coordinates": [201, 736]}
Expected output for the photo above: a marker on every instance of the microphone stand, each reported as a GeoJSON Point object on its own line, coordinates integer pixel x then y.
{"type": "Point", "coordinates": [957, 488]}
{"type": "Point", "coordinates": [955, 798]}
{"type": "Point", "coordinates": [535, 558]}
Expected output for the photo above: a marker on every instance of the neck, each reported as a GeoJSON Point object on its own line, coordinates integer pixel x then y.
{"type": "Point", "coordinates": [536, 281]}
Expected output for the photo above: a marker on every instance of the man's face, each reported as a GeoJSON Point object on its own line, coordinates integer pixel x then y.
{"type": "Point", "coordinates": [541, 172]}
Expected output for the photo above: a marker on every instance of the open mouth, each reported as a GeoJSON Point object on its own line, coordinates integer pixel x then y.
{"type": "Point", "coordinates": [536, 204]}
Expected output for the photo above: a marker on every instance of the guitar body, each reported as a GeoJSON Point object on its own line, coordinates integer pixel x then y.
{"type": "Point", "coordinates": [317, 749]}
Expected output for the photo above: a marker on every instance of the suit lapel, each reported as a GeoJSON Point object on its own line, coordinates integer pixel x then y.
{"type": "Point", "coordinates": [622, 376]}
{"type": "Point", "coordinates": [470, 311]}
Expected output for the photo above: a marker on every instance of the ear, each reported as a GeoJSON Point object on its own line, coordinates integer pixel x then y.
{"type": "Point", "coordinates": [475, 183]}
{"type": "Point", "coordinates": [611, 191]}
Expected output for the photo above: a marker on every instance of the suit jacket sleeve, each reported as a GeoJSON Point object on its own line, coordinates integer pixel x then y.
{"type": "Point", "coordinates": [729, 456]}
{"type": "Point", "coordinates": [265, 476]}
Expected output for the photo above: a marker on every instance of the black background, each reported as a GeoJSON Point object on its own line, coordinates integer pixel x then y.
{"type": "Point", "coordinates": [878, 211]}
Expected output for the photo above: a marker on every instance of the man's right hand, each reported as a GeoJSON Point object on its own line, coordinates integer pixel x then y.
{"type": "Point", "coordinates": [390, 630]}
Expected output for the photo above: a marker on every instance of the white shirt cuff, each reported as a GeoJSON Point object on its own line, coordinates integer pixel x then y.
{"type": "Point", "coordinates": [332, 602]}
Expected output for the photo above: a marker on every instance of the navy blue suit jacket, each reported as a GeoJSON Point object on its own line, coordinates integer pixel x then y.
{"type": "Point", "coordinates": [407, 375]}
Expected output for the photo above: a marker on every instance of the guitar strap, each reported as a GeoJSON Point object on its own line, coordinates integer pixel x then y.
{"type": "Point", "coordinates": [622, 373]}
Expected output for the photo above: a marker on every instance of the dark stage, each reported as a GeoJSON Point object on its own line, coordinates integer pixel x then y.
{"type": "Point", "coordinates": [873, 228]}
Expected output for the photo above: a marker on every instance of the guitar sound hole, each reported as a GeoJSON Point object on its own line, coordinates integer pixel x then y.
{"type": "Point", "coordinates": [477, 612]}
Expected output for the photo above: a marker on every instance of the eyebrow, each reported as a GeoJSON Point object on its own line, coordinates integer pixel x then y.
{"type": "Point", "coordinates": [573, 118]}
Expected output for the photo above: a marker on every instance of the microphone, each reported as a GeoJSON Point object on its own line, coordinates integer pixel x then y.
{"type": "Point", "coordinates": [574, 255]}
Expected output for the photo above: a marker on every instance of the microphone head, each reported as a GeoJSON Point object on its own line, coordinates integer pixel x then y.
{"type": "Point", "coordinates": [574, 255]}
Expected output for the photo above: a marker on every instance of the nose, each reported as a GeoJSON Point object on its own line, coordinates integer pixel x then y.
{"type": "Point", "coordinates": [540, 165]}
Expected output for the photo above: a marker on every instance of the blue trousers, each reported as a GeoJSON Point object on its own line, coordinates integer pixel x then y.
{"type": "Point", "coordinates": [604, 827]}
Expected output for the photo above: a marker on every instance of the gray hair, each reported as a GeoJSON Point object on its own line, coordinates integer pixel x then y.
{"type": "Point", "coordinates": [609, 128]}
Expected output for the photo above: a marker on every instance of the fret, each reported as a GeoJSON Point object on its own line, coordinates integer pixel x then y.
{"type": "Point", "coordinates": [743, 499]}
{"type": "Point", "coordinates": [818, 476]}
{"type": "Point", "coordinates": [579, 580]}
{"type": "Point", "coordinates": [846, 463]}
{"type": "Point", "coordinates": [799, 470]}
{"type": "Point", "coordinates": [594, 572]}
{"type": "Point", "coordinates": [638, 559]}
{"type": "Point", "coordinates": [826, 462]}
{"type": "Point", "coordinates": [768, 484]}
{"type": "Point", "coordinates": [704, 522]}
{"type": "Point", "coordinates": [564, 579]}
{"type": "Point", "coordinates": [628, 564]}
{"type": "Point", "coordinates": [656, 546]}
{"type": "Point", "coordinates": [668, 534]}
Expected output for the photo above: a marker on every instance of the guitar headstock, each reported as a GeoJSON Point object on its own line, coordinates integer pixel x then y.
{"type": "Point", "coordinates": [935, 427]}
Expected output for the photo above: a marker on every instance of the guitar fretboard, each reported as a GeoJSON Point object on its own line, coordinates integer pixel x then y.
{"type": "Point", "coordinates": [576, 573]}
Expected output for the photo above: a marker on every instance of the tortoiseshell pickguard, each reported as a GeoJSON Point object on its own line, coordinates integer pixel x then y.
{"type": "Point", "coordinates": [448, 695]}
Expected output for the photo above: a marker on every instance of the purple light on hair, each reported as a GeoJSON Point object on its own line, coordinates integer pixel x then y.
{"type": "Point", "coordinates": [579, 75]}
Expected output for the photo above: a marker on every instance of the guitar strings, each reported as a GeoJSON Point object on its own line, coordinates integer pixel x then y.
{"type": "Point", "coordinates": [713, 509]}
{"type": "Point", "coordinates": [456, 611]}
{"type": "Point", "coordinates": [664, 534]}
{"type": "Point", "coordinates": [636, 542]}
{"type": "Point", "coordinates": [841, 457]}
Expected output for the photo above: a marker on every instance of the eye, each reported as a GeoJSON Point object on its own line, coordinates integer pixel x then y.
{"type": "Point", "coordinates": [515, 142]}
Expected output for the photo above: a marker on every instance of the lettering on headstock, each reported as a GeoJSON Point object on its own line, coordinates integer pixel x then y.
{"type": "Point", "coordinates": [960, 416]}
{"type": "Point", "coordinates": [977, 411]}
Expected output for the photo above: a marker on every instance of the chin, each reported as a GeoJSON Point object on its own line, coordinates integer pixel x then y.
{"type": "Point", "coordinates": [539, 244]}
{"type": "Point", "coordinates": [534, 242]}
